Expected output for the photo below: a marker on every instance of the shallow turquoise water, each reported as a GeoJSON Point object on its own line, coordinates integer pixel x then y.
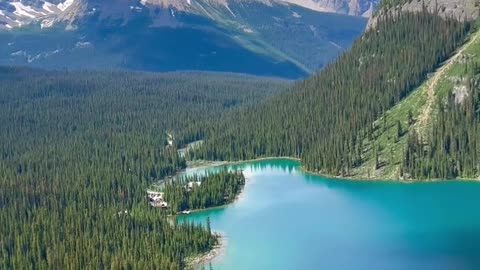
{"type": "Point", "coordinates": [286, 219]}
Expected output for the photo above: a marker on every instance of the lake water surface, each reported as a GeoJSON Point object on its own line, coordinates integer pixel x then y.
{"type": "Point", "coordinates": [287, 219]}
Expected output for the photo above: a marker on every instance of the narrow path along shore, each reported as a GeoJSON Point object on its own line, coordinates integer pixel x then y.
{"type": "Point", "coordinates": [432, 84]}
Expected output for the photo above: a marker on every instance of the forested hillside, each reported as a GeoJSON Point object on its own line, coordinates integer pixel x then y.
{"type": "Point", "coordinates": [201, 192]}
{"type": "Point", "coordinates": [446, 144]}
{"type": "Point", "coordinates": [326, 119]}
{"type": "Point", "coordinates": [78, 151]}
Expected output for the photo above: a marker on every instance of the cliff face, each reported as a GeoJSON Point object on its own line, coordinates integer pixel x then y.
{"type": "Point", "coordinates": [459, 9]}
{"type": "Point", "coordinates": [350, 7]}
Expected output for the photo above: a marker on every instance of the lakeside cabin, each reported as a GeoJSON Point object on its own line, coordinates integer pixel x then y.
{"type": "Point", "coordinates": [156, 199]}
{"type": "Point", "coordinates": [162, 204]}
{"type": "Point", "coordinates": [170, 140]}
{"type": "Point", "coordinates": [191, 185]}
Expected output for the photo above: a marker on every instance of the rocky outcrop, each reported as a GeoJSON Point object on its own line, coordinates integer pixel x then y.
{"type": "Point", "coordinates": [350, 7]}
{"type": "Point", "coordinates": [458, 9]}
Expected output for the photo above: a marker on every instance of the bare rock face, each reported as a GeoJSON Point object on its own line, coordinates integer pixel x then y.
{"type": "Point", "coordinates": [458, 9]}
{"type": "Point", "coordinates": [350, 7]}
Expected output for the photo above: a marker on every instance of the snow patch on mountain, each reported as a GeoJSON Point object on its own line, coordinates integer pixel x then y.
{"type": "Point", "coordinates": [47, 23]}
{"type": "Point", "coordinates": [22, 10]}
{"type": "Point", "coordinates": [296, 15]}
{"type": "Point", "coordinates": [31, 58]}
{"type": "Point", "coordinates": [49, 7]}
{"type": "Point", "coordinates": [63, 6]}
{"type": "Point", "coordinates": [310, 4]}
{"type": "Point", "coordinates": [83, 45]}
{"type": "Point", "coordinates": [19, 53]}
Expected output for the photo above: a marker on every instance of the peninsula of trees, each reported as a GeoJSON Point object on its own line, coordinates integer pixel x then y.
{"type": "Point", "coordinates": [198, 192]}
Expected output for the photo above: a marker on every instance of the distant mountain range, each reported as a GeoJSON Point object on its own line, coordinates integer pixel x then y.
{"type": "Point", "coordinates": [15, 13]}
{"type": "Point", "coordinates": [273, 38]}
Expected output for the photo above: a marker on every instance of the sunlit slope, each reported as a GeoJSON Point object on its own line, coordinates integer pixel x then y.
{"type": "Point", "coordinates": [275, 39]}
{"type": "Point", "coordinates": [415, 114]}
{"type": "Point", "coordinates": [330, 120]}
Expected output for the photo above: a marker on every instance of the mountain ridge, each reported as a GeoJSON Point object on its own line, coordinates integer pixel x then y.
{"type": "Point", "coordinates": [462, 10]}
{"type": "Point", "coordinates": [363, 8]}
{"type": "Point", "coordinates": [18, 13]}
{"type": "Point", "coordinates": [247, 37]}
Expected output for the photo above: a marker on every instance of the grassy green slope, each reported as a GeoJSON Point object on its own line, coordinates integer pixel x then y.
{"type": "Point", "coordinates": [422, 106]}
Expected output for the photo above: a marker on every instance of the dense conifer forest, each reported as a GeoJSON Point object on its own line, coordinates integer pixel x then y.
{"type": "Point", "coordinates": [451, 148]}
{"type": "Point", "coordinates": [78, 151]}
{"type": "Point", "coordinates": [201, 192]}
{"type": "Point", "coordinates": [325, 119]}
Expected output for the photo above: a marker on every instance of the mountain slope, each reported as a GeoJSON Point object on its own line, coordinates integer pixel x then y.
{"type": "Point", "coordinates": [461, 10]}
{"type": "Point", "coordinates": [15, 13]}
{"type": "Point", "coordinates": [417, 115]}
{"type": "Point", "coordinates": [328, 119]}
{"type": "Point", "coordinates": [443, 141]}
{"type": "Point", "coordinates": [436, 114]}
{"type": "Point", "coordinates": [248, 37]}
{"type": "Point", "coordinates": [351, 7]}
{"type": "Point", "coordinates": [18, 13]}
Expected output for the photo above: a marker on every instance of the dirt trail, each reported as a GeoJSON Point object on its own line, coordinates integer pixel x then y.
{"type": "Point", "coordinates": [432, 83]}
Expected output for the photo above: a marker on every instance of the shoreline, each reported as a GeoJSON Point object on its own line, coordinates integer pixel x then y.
{"type": "Point", "coordinates": [237, 197]}
{"type": "Point", "coordinates": [207, 164]}
{"type": "Point", "coordinates": [219, 249]}
{"type": "Point", "coordinates": [216, 252]}
{"type": "Point", "coordinates": [386, 179]}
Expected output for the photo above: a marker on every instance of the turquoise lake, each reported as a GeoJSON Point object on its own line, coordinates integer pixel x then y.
{"type": "Point", "coordinates": [287, 219]}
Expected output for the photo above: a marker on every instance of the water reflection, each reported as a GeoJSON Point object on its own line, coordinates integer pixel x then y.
{"type": "Point", "coordinates": [292, 220]}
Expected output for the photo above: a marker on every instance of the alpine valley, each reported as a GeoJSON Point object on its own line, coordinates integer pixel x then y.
{"type": "Point", "coordinates": [130, 140]}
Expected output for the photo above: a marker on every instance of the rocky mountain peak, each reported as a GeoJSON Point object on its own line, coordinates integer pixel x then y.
{"type": "Point", "coordinates": [459, 9]}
